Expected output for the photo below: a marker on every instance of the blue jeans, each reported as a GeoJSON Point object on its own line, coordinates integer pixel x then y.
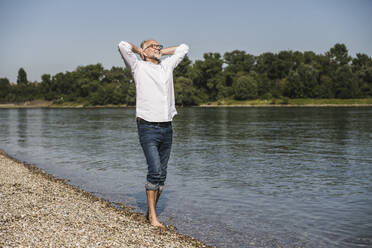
{"type": "Point", "coordinates": [156, 142]}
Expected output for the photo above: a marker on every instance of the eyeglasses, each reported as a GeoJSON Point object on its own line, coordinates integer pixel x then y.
{"type": "Point", "coordinates": [155, 46]}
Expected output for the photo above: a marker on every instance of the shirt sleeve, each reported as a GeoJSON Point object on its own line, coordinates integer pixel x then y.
{"type": "Point", "coordinates": [129, 57]}
{"type": "Point", "coordinates": [177, 57]}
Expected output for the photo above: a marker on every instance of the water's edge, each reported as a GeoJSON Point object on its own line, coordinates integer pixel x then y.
{"type": "Point", "coordinates": [129, 211]}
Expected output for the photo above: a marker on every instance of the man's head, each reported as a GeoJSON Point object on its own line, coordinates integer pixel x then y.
{"type": "Point", "coordinates": [152, 49]}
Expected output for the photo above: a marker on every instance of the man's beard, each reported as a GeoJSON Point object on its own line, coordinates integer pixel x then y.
{"type": "Point", "coordinates": [155, 56]}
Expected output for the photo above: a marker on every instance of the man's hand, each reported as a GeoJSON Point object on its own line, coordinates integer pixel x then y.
{"type": "Point", "coordinates": [142, 53]}
{"type": "Point", "coordinates": [139, 51]}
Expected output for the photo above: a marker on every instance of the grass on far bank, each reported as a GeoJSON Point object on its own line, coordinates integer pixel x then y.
{"type": "Point", "coordinates": [51, 104]}
{"type": "Point", "coordinates": [291, 102]}
{"type": "Point", "coordinates": [85, 105]}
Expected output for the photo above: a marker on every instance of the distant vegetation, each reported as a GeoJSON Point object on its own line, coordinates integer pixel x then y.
{"type": "Point", "coordinates": [234, 76]}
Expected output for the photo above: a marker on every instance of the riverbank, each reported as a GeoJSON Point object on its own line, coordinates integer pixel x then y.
{"type": "Point", "coordinates": [50, 104]}
{"type": "Point", "coordinates": [283, 102]}
{"type": "Point", "coordinates": [287, 102]}
{"type": "Point", "coordinates": [39, 210]}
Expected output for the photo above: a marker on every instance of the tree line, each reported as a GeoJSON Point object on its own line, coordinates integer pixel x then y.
{"type": "Point", "coordinates": [235, 75]}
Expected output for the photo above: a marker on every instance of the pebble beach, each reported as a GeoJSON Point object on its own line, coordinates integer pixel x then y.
{"type": "Point", "coordinates": [39, 210]}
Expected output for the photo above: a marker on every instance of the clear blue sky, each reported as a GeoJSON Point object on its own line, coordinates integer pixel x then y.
{"type": "Point", "coordinates": [54, 36]}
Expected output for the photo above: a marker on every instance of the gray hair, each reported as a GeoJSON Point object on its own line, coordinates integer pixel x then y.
{"type": "Point", "coordinates": [143, 42]}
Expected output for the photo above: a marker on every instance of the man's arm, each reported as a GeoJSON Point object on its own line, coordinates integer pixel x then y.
{"type": "Point", "coordinates": [138, 50]}
{"type": "Point", "coordinates": [177, 52]}
{"type": "Point", "coordinates": [127, 51]}
{"type": "Point", "coordinates": [168, 50]}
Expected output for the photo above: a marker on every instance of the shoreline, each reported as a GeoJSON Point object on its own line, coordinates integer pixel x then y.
{"type": "Point", "coordinates": [283, 105]}
{"type": "Point", "coordinates": [366, 102]}
{"type": "Point", "coordinates": [37, 209]}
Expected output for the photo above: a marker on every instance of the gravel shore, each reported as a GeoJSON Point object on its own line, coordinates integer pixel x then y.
{"type": "Point", "coordinates": [38, 210]}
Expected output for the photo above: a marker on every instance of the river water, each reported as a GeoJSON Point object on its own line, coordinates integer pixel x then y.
{"type": "Point", "coordinates": [237, 177]}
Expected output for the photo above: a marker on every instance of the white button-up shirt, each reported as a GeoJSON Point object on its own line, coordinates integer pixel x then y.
{"type": "Point", "coordinates": [154, 83]}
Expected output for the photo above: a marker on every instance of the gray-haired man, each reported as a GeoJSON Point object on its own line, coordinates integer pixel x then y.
{"type": "Point", "coordinates": [155, 109]}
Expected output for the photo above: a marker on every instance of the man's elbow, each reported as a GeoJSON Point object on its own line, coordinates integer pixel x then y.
{"type": "Point", "coordinates": [184, 48]}
{"type": "Point", "coordinates": [120, 44]}
{"type": "Point", "coordinates": [187, 48]}
{"type": "Point", "coordinates": [124, 45]}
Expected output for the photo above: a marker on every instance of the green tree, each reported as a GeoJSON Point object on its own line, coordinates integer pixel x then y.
{"type": "Point", "coordinates": [366, 84]}
{"type": "Point", "coordinates": [245, 87]}
{"type": "Point", "coordinates": [183, 69]}
{"type": "Point", "coordinates": [345, 85]}
{"type": "Point", "coordinates": [284, 64]}
{"type": "Point", "coordinates": [204, 73]}
{"type": "Point", "coordinates": [309, 77]}
{"type": "Point", "coordinates": [339, 54]}
{"type": "Point", "coordinates": [310, 58]}
{"type": "Point", "coordinates": [237, 61]}
{"type": "Point", "coordinates": [224, 83]}
{"type": "Point", "coordinates": [266, 64]}
{"type": "Point", "coordinates": [46, 87]}
{"type": "Point", "coordinates": [4, 89]}
{"type": "Point", "coordinates": [362, 70]}
{"type": "Point", "coordinates": [22, 77]}
{"type": "Point", "coordinates": [296, 87]}
{"type": "Point", "coordinates": [361, 62]}
{"type": "Point", "coordinates": [130, 97]}
{"type": "Point", "coordinates": [325, 87]}
{"type": "Point", "coordinates": [185, 93]}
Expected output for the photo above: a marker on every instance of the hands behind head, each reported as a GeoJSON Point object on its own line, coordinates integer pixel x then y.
{"type": "Point", "coordinates": [142, 54]}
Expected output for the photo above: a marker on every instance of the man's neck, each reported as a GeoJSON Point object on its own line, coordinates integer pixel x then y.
{"type": "Point", "coordinates": [155, 61]}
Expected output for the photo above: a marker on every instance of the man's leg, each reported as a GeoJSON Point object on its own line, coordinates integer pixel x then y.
{"type": "Point", "coordinates": [149, 139]}
{"type": "Point", "coordinates": [164, 153]}
{"type": "Point", "coordinates": [157, 196]}
{"type": "Point", "coordinates": [152, 190]}
{"type": "Point", "coordinates": [151, 201]}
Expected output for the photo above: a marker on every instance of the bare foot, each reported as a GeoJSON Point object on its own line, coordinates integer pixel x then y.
{"type": "Point", "coordinates": [155, 222]}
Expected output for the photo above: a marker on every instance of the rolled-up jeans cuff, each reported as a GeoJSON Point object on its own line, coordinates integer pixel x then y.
{"type": "Point", "coordinates": [150, 186]}
{"type": "Point", "coordinates": [161, 187]}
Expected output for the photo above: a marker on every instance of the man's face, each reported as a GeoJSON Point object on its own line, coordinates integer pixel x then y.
{"type": "Point", "coordinates": [152, 49]}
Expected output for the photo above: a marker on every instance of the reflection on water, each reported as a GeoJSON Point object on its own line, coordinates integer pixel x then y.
{"type": "Point", "coordinates": [238, 177]}
{"type": "Point", "coordinates": [22, 127]}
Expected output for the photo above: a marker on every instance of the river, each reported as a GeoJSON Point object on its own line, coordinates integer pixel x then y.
{"type": "Point", "coordinates": [237, 177]}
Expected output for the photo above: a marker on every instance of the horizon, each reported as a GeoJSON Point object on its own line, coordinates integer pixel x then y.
{"type": "Point", "coordinates": [50, 37]}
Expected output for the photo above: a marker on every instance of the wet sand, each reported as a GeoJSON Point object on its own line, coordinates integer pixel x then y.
{"type": "Point", "coordinates": [39, 210]}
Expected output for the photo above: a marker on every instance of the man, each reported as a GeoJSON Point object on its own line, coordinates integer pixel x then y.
{"type": "Point", "coordinates": [155, 109]}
